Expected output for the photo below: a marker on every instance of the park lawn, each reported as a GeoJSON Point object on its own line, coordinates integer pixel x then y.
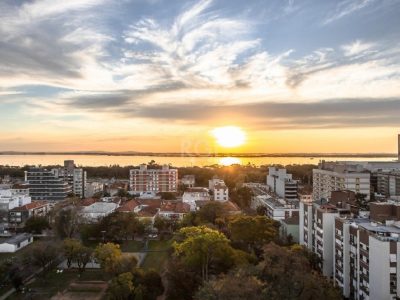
{"type": "Point", "coordinates": [52, 283]}
{"type": "Point", "coordinates": [132, 246]}
{"type": "Point", "coordinates": [18, 254]}
{"type": "Point", "coordinates": [156, 260]}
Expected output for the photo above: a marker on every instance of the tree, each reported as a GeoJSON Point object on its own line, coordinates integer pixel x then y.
{"type": "Point", "coordinates": [242, 197]}
{"type": "Point", "coordinates": [108, 255]}
{"type": "Point", "coordinates": [362, 202]}
{"type": "Point", "coordinates": [83, 256]}
{"type": "Point", "coordinates": [182, 281]}
{"type": "Point", "coordinates": [251, 233]}
{"type": "Point", "coordinates": [121, 286]}
{"type": "Point", "coordinates": [67, 222]}
{"type": "Point", "coordinates": [203, 248]}
{"type": "Point", "coordinates": [70, 247]}
{"type": "Point", "coordinates": [288, 274]}
{"type": "Point", "coordinates": [235, 285]}
{"type": "Point", "coordinates": [262, 210]}
{"type": "Point", "coordinates": [210, 212]}
{"type": "Point", "coordinates": [43, 254]}
{"type": "Point", "coordinates": [36, 224]}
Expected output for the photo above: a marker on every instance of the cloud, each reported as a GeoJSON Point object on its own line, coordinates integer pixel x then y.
{"type": "Point", "coordinates": [345, 8]}
{"type": "Point", "coordinates": [356, 48]}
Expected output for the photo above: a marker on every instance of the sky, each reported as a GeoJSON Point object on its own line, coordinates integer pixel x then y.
{"type": "Point", "coordinates": [161, 75]}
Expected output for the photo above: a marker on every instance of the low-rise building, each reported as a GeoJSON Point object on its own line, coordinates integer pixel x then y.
{"type": "Point", "coordinates": [15, 243]}
{"type": "Point", "coordinates": [98, 210]}
{"type": "Point", "coordinates": [276, 208]}
{"type": "Point", "coordinates": [188, 181]}
{"type": "Point", "coordinates": [92, 188]}
{"type": "Point", "coordinates": [191, 195]}
{"type": "Point", "coordinates": [11, 198]}
{"type": "Point", "coordinates": [174, 210]}
{"type": "Point", "coordinates": [20, 214]}
{"type": "Point", "coordinates": [221, 192]}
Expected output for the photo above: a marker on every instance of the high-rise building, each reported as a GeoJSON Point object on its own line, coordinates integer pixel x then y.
{"type": "Point", "coordinates": [75, 177]}
{"type": "Point", "coordinates": [282, 184]}
{"type": "Point", "coordinates": [366, 262]}
{"type": "Point", "coordinates": [333, 177]}
{"type": "Point", "coordinates": [45, 185]}
{"type": "Point", "coordinates": [153, 180]}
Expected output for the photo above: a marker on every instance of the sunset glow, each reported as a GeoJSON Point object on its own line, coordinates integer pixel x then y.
{"type": "Point", "coordinates": [229, 136]}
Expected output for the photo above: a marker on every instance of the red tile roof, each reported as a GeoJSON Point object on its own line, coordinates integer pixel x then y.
{"type": "Point", "coordinates": [29, 206]}
{"type": "Point", "coordinates": [128, 206]}
{"type": "Point", "coordinates": [176, 207]}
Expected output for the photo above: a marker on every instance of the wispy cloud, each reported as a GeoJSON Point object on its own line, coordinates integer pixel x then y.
{"type": "Point", "coordinates": [345, 8]}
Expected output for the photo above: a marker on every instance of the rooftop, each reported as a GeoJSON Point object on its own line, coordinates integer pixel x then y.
{"type": "Point", "coordinates": [100, 207]}
{"type": "Point", "coordinates": [14, 240]}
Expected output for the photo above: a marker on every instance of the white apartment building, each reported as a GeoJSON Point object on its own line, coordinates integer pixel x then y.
{"type": "Point", "coordinates": [75, 177]}
{"type": "Point", "coordinates": [219, 189]}
{"type": "Point", "coordinates": [366, 262]}
{"type": "Point", "coordinates": [282, 184]}
{"type": "Point", "coordinates": [93, 188]}
{"type": "Point", "coordinates": [277, 209]}
{"type": "Point", "coordinates": [326, 181]}
{"type": "Point", "coordinates": [154, 180]}
{"type": "Point", "coordinates": [190, 196]}
{"type": "Point", "coordinates": [11, 198]}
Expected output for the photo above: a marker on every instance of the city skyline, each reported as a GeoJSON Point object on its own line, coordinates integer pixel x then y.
{"type": "Point", "coordinates": [162, 76]}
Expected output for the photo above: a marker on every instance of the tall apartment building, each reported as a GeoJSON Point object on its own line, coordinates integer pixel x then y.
{"type": "Point", "coordinates": [388, 183]}
{"type": "Point", "coordinates": [153, 180]}
{"type": "Point", "coordinates": [45, 185]}
{"type": "Point", "coordinates": [329, 178]}
{"type": "Point", "coordinates": [367, 253]}
{"type": "Point", "coordinates": [75, 177]}
{"type": "Point", "coordinates": [317, 225]}
{"type": "Point", "coordinates": [282, 183]}
{"type": "Point", "coordinates": [359, 250]}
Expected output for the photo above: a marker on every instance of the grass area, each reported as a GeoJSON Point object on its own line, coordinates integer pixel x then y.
{"type": "Point", "coordinates": [18, 254]}
{"type": "Point", "coordinates": [156, 260]}
{"type": "Point", "coordinates": [132, 246]}
{"type": "Point", "coordinates": [52, 283]}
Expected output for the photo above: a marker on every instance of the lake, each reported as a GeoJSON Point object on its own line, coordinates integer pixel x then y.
{"type": "Point", "coordinates": [107, 160]}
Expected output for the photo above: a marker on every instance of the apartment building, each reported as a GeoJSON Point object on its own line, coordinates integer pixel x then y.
{"type": "Point", "coordinates": [219, 189]}
{"type": "Point", "coordinates": [276, 208]}
{"type": "Point", "coordinates": [329, 178]}
{"type": "Point", "coordinates": [388, 183]}
{"type": "Point", "coordinates": [45, 185]}
{"type": "Point", "coordinates": [317, 222]}
{"type": "Point", "coordinates": [20, 214]}
{"type": "Point", "coordinates": [154, 180]}
{"type": "Point", "coordinates": [10, 198]}
{"type": "Point", "coordinates": [75, 177]}
{"type": "Point", "coordinates": [366, 255]}
{"type": "Point", "coordinates": [282, 184]}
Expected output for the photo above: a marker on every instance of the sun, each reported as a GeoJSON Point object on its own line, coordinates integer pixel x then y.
{"type": "Point", "coordinates": [229, 136]}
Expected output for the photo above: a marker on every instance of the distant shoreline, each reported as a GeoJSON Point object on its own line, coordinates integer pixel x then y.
{"type": "Point", "coordinates": [152, 154]}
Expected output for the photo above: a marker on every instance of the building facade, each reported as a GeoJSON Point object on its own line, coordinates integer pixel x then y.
{"type": "Point", "coordinates": [282, 184]}
{"type": "Point", "coordinates": [325, 181]}
{"type": "Point", "coordinates": [45, 185]}
{"type": "Point", "coordinates": [154, 180]}
{"type": "Point", "coordinates": [75, 177]}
